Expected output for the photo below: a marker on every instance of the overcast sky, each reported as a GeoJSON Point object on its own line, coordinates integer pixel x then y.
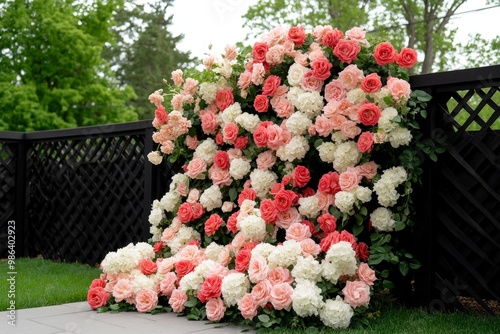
{"type": "Point", "coordinates": [219, 22]}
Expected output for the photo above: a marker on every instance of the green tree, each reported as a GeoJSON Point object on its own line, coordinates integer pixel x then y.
{"type": "Point", "coordinates": [51, 71]}
{"type": "Point", "coordinates": [422, 25]}
{"type": "Point", "coordinates": [145, 50]}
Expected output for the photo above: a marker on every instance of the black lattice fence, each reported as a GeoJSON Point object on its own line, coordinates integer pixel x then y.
{"type": "Point", "coordinates": [459, 226]}
{"type": "Point", "coordinates": [88, 191]}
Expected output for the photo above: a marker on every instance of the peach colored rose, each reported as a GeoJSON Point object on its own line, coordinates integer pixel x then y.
{"type": "Point", "coordinates": [347, 50]}
{"type": "Point", "coordinates": [310, 82]}
{"type": "Point", "coordinates": [230, 132]}
{"type": "Point", "coordinates": [280, 275]}
{"type": "Point", "coordinates": [166, 265]}
{"type": "Point", "coordinates": [261, 292]}
{"type": "Point", "coordinates": [192, 142]}
{"type": "Point", "coordinates": [323, 126]}
{"type": "Point", "coordinates": [191, 253]}
{"type": "Point", "coordinates": [196, 167]}
{"type": "Point", "coordinates": [298, 232]}
{"type": "Point", "coordinates": [176, 102]}
{"type": "Point", "coordinates": [365, 142]}
{"type": "Point", "coordinates": [193, 196]}
{"type": "Point", "coordinates": [310, 247]}
{"type": "Point", "coordinates": [225, 256]}
{"type": "Point", "coordinates": [385, 53]}
{"type": "Point", "coordinates": [123, 290]}
{"type": "Point", "coordinates": [190, 86]}
{"type": "Point", "coordinates": [356, 293]}
{"type": "Point", "coordinates": [147, 266]}
{"type": "Point", "coordinates": [247, 307]}
{"type": "Point", "coordinates": [211, 288]}
{"type": "Point", "coordinates": [227, 206]}
{"type": "Point", "coordinates": [288, 217]}
{"type": "Point", "coordinates": [146, 300]}
{"type": "Point", "coordinates": [230, 52]}
{"type": "Point", "coordinates": [245, 80]}
{"type": "Point", "coordinates": [349, 130]}
{"type": "Point", "coordinates": [351, 77]}
{"type": "Point", "coordinates": [335, 91]}
{"type": "Point", "coordinates": [356, 34]}
{"type": "Point", "coordinates": [209, 61]}
{"type": "Point", "coordinates": [366, 274]}
{"type": "Point", "coordinates": [275, 137]}
{"type": "Point", "coordinates": [177, 300]}
{"type": "Point", "coordinates": [209, 122]}
{"type": "Point", "coordinates": [281, 296]}
{"type": "Point", "coordinates": [266, 160]}
{"type": "Point", "coordinates": [284, 108]}
{"type": "Point", "coordinates": [399, 88]}
{"type": "Point", "coordinates": [258, 73]}
{"type": "Point", "coordinates": [337, 121]}
{"type": "Point", "coordinates": [177, 77]}
{"type": "Point", "coordinates": [349, 179]}
{"type": "Point", "coordinates": [368, 169]}
{"type": "Point", "coordinates": [215, 309]}
{"type": "Point", "coordinates": [156, 98]}
{"type": "Point", "coordinates": [167, 285]}
{"type": "Point", "coordinates": [257, 269]}
{"type": "Point", "coordinates": [324, 200]}
{"type": "Point", "coordinates": [275, 54]}
{"type": "Point", "coordinates": [239, 240]}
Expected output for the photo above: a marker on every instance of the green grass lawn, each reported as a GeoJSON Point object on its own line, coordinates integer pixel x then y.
{"type": "Point", "coordinates": [42, 282]}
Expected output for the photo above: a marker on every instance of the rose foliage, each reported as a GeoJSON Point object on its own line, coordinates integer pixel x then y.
{"type": "Point", "coordinates": [297, 159]}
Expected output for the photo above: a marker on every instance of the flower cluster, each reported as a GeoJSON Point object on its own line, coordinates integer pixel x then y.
{"type": "Point", "coordinates": [289, 165]}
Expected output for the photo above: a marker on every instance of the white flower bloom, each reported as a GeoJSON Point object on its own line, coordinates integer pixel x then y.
{"type": "Point", "coordinates": [208, 91]}
{"type": "Point", "coordinates": [400, 137]}
{"type": "Point", "coordinates": [339, 260]}
{"type": "Point", "coordinates": [310, 103]}
{"type": "Point", "coordinates": [170, 201]}
{"type": "Point", "coordinates": [141, 282]}
{"type": "Point", "coordinates": [206, 150]}
{"type": "Point", "coordinates": [298, 123]}
{"type": "Point", "coordinates": [239, 168]}
{"type": "Point", "coordinates": [263, 250]}
{"type": "Point", "coordinates": [295, 149]}
{"type": "Point", "coordinates": [336, 313]}
{"type": "Point", "coordinates": [285, 255]}
{"type": "Point", "coordinates": [191, 282]}
{"type": "Point", "coordinates": [309, 206]}
{"type": "Point", "coordinates": [327, 152]}
{"type": "Point", "coordinates": [211, 198]}
{"type": "Point", "coordinates": [213, 251]}
{"type": "Point", "coordinates": [364, 194]}
{"type": "Point", "coordinates": [262, 181]}
{"type": "Point", "coordinates": [247, 121]}
{"type": "Point", "coordinates": [307, 299]}
{"type": "Point", "coordinates": [234, 287]}
{"type": "Point", "coordinates": [385, 121]}
{"type": "Point", "coordinates": [382, 220]}
{"type": "Point", "coordinates": [346, 155]}
{"type": "Point", "coordinates": [231, 113]}
{"type": "Point", "coordinates": [295, 74]}
{"type": "Point", "coordinates": [344, 201]}
{"type": "Point", "coordinates": [308, 269]}
{"type": "Point", "coordinates": [356, 96]}
{"type": "Point", "coordinates": [253, 227]}
{"type": "Point", "coordinates": [156, 216]}
{"type": "Point", "coordinates": [155, 158]}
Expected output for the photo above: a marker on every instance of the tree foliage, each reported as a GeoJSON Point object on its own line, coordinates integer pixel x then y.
{"type": "Point", "coordinates": [422, 25]}
{"type": "Point", "coordinates": [52, 74]}
{"type": "Point", "coordinates": [145, 49]}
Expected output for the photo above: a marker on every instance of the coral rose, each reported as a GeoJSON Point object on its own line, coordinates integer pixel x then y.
{"type": "Point", "coordinates": [211, 288]}
{"type": "Point", "coordinates": [347, 50]}
{"type": "Point", "coordinates": [385, 53]}
{"type": "Point", "coordinates": [407, 58]}
{"type": "Point", "coordinates": [97, 297]}
{"type": "Point", "coordinates": [368, 114]}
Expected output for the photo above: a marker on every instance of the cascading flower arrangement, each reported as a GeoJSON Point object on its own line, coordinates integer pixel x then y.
{"type": "Point", "coordinates": [298, 160]}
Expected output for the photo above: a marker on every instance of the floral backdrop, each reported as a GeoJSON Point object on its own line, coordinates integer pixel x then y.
{"type": "Point", "coordinates": [297, 160]}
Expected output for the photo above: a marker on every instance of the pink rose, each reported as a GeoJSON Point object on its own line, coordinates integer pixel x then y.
{"type": "Point", "coordinates": [247, 306]}
{"type": "Point", "coordinates": [327, 222]}
{"type": "Point", "coordinates": [324, 200]}
{"type": "Point", "coordinates": [191, 142]}
{"type": "Point", "coordinates": [298, 232]}
{"type": "Point", "coordinates": [351, 76]}
{"type": "Point", "coordinates": [329, 240]}
{"type": "Point", "coordinates": [368, 114]}
{"type": "Point", "coordinates": [146, 300]}
{"type": "Point", "coordinates": [271, 85]}
{"type": "Point", "coordinates": [167, 285]}
{"type": "Point", "coordinates": [268, 210]}
{"type": "Point", "coordinates": [332, 37]}
{"type": "Point", "coordinates": [266, 160]}
{"type": "Point", "coordinates": [349, 179]}
{"type": "Point", "coordinates": [190, 86]}
{"type": "Point", "coordinates": [185, 212]}
{"type": "Point", "coordinates": [211, 288]}
{"type": "Point", "coordinates": [368, 169]}
{"type": "Point", "coordinates": [123, 290]}
{"type": "Point", "coordinates": [337, 121]}
{"type": "Point", "coordinates": [196, 167]}
{"type": "Point", "coordinates": [284, 199]}
{"type": "Point", "coordinates": [156, 98]}
{"type": "Point", "coordinates": [323, 126]}
{"type": "Point", "coordinates": [230, 132]}
{"type": "Point", "coordinates": [366, 274]}
{"type": "Point", "coordinates": [177, 102]}
{"type": "Point", "coordinates": [224, 98]}
{"type": "Point", "coordinates": [257, 269]}
{"type": "Point", "coordinates": [212, 224]}
{"type": "Point", "coordinates": [245, 80]}
{"type": "Point", "coordinates": [288, 217]}
{"type": "Point", "coordinates": [260, 136]}
{"type": "Point", "coordinates": [182, 268]}
{"type": "Point", "coordinates": [275, 137]}
{"type": "Point", "coordinates": [280, 275]}
{"type": "Point", "coordinates": [230, 52]}
{"type": "Point", "coordinates": [259, 51]}
{"type": "Point", "coordinates": [261, 292]}
{"type": "Point", "coordinates": [407, 58]}
{"type": "Point", "coordinates": [221, 160]}
{"type": "Point", "coordinates": [385, 53]}
{"type": "Point", "coordinates": [356, 293]}
{"type": "Point", "coordinates": [177, 300]}
{"type": "Point", "coordinates": [399, 88]}
{"type": "Point", "coordinates": [347, 50]}
{"type": "Point", "coordinates": [209, 122]}
{"type": "Point", "coordinates": [215, 309]}
{"type": "Point", "coordinates": [241, 142]}
{"type": "Point", "coordinates": [147, 266]}
{"type": "Point", "coordinates": [275, 54]}
{"type": "Point", "coordinates": [301, 176]}
{"type": "Point", "coordinates": [310, 247]}
{"type": "Point", "coordinates": [297, 35]}
{"type": "Point", "coordinates": [283, 108]}
{"type": "Point", "coordinates": [335, 91]}
{"type": "Point", "coordinates": [349, 129]}
{"type": "Point", "coordinates": [281, 296]}
{"type": "Point", "coordinates": [261, 103]}
{"type": "Point", "coordinates": [371, 83]}
{"type": "Point", "coordinates": [242, 260]}
{"type": "Point", "coordinates": [365, 142]}
{"type": "Point", "coordinates": [329, 183]}
{"type": "Point", "coordinates": [220, 177]}
{"type": "Point", "coordinates": [177, 77]}
{"type": "Point", "coordinates": [356, 34]}
{"type": "Point", "coordinates": [310, 82]}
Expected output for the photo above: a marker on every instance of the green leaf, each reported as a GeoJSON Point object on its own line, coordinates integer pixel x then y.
{"type": "Point", "coordinates": [318, 142]}
{"type": "Point", "coordinates": [264, 318]}
{"type": "Point", "coordinates": [102, 309]}
{"type": "Point", "coordinates": [399, 226]}
{"type": "Point", "coordinates": [114, 307]}
{"type": "Point", "coordinates": [388, 284]}
{"type": "Point", "coordinates": [403, 268]}
{"type": "Point", "coordinates": [357, 229]}
{"type": "Point", "coordinates": [233, 194]}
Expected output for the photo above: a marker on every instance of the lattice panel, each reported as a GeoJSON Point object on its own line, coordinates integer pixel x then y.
{"type": "Point", "coordinates": [86, 196]}
{"type": "Point", "coordinates": [8, 165]}
{"type": "Point", "coordinates": [466, 250]}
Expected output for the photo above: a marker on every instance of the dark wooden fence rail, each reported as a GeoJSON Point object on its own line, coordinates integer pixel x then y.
{"type": "Point", "coordinates": [77, 194]}
{"type": "Point", "coordinates": [458, 232]}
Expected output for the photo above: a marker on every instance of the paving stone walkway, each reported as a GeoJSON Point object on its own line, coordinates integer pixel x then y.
{"type": "Point", "coordinates": [78, 318]}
